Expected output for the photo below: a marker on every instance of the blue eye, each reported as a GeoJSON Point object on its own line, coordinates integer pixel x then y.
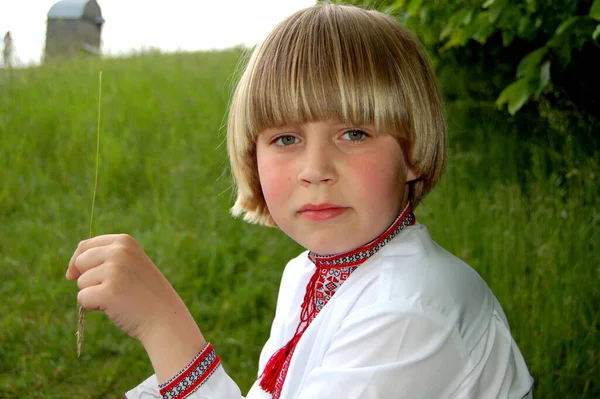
{"type": "Point", "coordinates": [285, 140]}
{"type": "Point", "coordinates": [354, 135]}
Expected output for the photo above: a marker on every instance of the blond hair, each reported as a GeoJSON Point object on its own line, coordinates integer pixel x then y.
{"type": "Point", "coordinates": [334, 60]}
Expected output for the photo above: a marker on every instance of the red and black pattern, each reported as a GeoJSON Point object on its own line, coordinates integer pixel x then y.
{"type": "Point", "coordinates": [193, 376]}
{"type": "Point", "coordinates": [360, 255]}
{"type": "Point", "coordinates": [331, 271]}
{"type": "Point", "coordinates": [330, 279]}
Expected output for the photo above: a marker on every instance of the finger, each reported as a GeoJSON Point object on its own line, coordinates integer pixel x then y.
{"type": "Point", "coordinates": [94, 257]}
{"type": "Point", "coordinates": [103, 240]}
{"type": "Point", "coordinates": [82, 262]}
{"type": "Point", "coordinates": [92, 298]}
{"type": "Point", "coordinates": [83, 246]}
{"type": "Point", "coordinates": [92, 277]}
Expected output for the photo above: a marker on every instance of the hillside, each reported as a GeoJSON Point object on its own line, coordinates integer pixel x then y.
{"type": "Point", "coordinates": [530, 231]}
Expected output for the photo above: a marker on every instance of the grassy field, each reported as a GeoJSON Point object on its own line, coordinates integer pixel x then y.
{"type": "Point", "coordinates": [526, 218]}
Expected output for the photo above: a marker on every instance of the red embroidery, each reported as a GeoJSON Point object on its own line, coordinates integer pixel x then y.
{"type": "Point", "coordinates": [193, 376]}
{"type": "Point", "coordinates": [330, 279]}
{"type": "Point", "coordinates": [330, 273]}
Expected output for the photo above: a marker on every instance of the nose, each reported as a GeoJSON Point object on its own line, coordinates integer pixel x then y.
{"type": "Point", "coordinates": [317, 165]}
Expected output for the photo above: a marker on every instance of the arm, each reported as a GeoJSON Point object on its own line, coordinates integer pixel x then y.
{"type": "Point", "coordinates": [211, 380]}
{"type": "Point", "coordinates": [394, 353]}
{"type": "Point", "coordinates": [116, 276]}
{"type": "Point", "coordinates": [202, 378]}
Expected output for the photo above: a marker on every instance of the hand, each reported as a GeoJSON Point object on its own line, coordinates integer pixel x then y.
{"type": "Point", "coordinates": [116, 276]}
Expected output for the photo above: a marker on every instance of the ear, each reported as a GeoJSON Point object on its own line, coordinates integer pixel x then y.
{"type": "Point", "coordinates": [411, 175]}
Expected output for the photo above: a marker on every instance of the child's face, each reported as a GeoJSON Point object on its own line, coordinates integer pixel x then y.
{"type": "Point", "coordinates": [329, 186]}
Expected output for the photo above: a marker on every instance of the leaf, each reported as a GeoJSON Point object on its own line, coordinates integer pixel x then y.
{"type": "Point", "coordinates": [394, 8]}
{"type": "Point", "coordinates": [462, 17]}
{"type": "Point", "coordinates": [413, 7]}
{"type": "Point", "coordinates": [581, 35]}
{"type": "Point", "coordinates": [544, 78]}
{"type": "Point", "coordinates": [595, 10]}
{"type": "Point", "coordinates": [458, 38]}
{"type": "Point", "coordinates": [480, 29]}
{"type": "Point", "coordinates": [488, 3]}
{"type": "Point", "coordinates": [531, 6]}
{"type": "Point", "coordinates": [495, 14]}
{"type": "Point", "coordinates": [507, 37]}
{"type": "Point", "coordinates": [515, 95]}
{"type": "Point", "coordinates": [468, 17]}
{"type": "Point", "coordinates": [531, 62]}
{"type": "Point", "coordinates": [525, 28]}
{"type": "Point", "coordinates": [496, 10]}
{"type": "Point", "coordinates": [596, 32]}
{"type": "Point", "coordinates": [564, 55]}
{"type": "Point", "coordinates": [446, 32]}
{"type": "Point", "coordinates": [562, 28]}
{"type": "Point", "coordinates": [538, 22]}
{"type": "Point", "coordinates": [424, 14]}
{"type": "Point", "coordinates": [566, 37]}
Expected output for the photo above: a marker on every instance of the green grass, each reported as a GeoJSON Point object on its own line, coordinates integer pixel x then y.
{"type": "Point", "coordinates": [530, 230]}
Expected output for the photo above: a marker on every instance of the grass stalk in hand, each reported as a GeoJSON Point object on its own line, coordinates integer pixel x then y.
{"type": "Point", "coordinates": [81, 320]}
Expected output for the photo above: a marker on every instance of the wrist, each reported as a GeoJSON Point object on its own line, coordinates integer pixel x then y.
{"type": "Point", "coordinates": [172, 343]}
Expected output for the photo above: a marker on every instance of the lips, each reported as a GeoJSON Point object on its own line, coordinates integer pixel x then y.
{"type": "Point", "coordinates": [321, 212]}
{"type": "Point", "coordinates": [318, 207]}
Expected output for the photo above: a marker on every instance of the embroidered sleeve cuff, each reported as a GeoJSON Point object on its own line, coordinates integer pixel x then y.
{"type": "Point", "coordinates": [193, 376]}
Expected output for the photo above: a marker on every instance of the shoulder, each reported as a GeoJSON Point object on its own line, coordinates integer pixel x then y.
{"type": "Point", "coordinates": [415, 294]}
{"type": "Point", "coordinates": [416, 266]}
{"type": "Point", "coordinates": [414, 274]}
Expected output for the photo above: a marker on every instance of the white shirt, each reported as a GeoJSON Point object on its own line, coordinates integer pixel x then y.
{"type": "Point", "coordinates": [413, 321]}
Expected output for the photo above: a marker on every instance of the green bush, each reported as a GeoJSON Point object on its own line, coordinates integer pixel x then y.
{"type": "Point", "coordinates": [513, 52]}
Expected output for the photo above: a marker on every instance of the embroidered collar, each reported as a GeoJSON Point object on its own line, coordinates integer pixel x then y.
{"type": "Point", "coordinates": [361, 254]}
{"type": "Point", "coordinates": [330, 273]}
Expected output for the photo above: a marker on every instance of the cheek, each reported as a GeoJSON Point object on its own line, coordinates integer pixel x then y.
{"type": "Point", "coordinates": [275, 180]}
{"type": "Point", "coordinates": [379, 181]}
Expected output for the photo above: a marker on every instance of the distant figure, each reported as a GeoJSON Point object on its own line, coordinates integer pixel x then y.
{"type": "Point", "coordinates": [7, 50]}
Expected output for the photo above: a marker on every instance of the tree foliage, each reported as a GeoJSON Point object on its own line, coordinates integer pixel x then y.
{"type": "Point", "coordinates": [530, 47]}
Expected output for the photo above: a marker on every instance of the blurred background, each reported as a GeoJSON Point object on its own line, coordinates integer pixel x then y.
{"type": "Point", "coordinates": [519, 200]}
{"type": "Point", "coordinates": [136, 25]}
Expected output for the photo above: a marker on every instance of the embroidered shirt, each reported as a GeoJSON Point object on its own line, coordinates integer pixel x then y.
{"type": "Point", "coordinates": [413, 321]}
{"type": "Point", "coordinates": [330, 273]}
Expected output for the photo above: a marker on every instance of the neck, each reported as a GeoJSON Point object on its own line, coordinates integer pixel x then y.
{"type": "Point", "coordinates": [364, 252]}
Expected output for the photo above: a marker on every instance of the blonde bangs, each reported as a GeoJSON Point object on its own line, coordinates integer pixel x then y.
{"type": "Point", "coordinates": [322, 65]}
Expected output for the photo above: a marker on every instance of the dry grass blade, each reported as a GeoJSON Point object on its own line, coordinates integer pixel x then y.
{"type": "Point", "coordinates": [80, 328]}
{"type": "Point", "coordinates": [81, 319]}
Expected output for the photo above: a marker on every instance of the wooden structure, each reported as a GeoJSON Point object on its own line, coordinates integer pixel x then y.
{"type": "Point", "coordinates": [74, 27]}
